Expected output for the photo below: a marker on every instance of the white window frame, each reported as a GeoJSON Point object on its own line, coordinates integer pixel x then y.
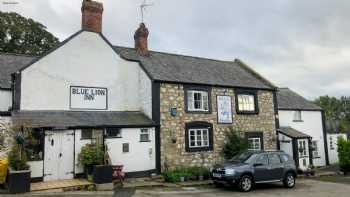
{"type": "Point", "coordinates": [145, 132]}
{"type": "Point", "coordinates": [246, 102]}
{"type": "Point", "coordinates": [204, 103]}
{"type": "Point", "coordinates": [331, 143]}
{"type": "Point", "coordinates": [197, 139]}
{"type": "Point", "coordinates": [297, 117]}
{"type": "Point", "coordinates": [315, 152]}
{"type": "Point", "coordinates": [254, 141]}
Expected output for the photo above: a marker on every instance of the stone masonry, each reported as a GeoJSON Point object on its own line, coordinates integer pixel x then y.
{"type": "Point", "coordinates": [174, 154]}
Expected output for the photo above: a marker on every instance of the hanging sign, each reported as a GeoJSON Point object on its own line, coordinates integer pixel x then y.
{"type": "Point", "coordinates": [224, 109]}
{"type": "Point", "coordinates": [88, 98]}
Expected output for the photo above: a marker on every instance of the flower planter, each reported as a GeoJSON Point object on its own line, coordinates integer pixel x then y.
{"type": "Point", "coordinates": [18, 181]}
{"type": "Point", "coordinates": [102, 174]}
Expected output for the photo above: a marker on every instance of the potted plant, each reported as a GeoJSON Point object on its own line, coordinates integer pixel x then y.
{"type": "Point", "coordinates": [19, 173]}
{"type": "Point", "coordinates": [92, 157]}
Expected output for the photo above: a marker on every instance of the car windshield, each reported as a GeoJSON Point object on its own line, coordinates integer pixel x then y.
{"type": "Point", "coordinates": [245, 157]}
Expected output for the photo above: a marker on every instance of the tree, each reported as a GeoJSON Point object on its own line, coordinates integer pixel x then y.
{"type": "Point", "coordinates": [235, 144]}
{"type": "Point", "coordinates": [336, 110]}
{"type": "Point", "coordinates": [22, 35]}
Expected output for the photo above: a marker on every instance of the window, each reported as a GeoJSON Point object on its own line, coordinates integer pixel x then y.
{"type": "Point", "coordinates": [254, 144]}
{"type": "Point", "coordinates": [113, 133]}
{"type": "Point", "coordinates": [315, 149]}
{"type": "Point", "coordinates": [86, 134]}
{"type": "Point", "coordinates": [34, 145]}
{"type": "Point", "coordinates": [197, 100]}
{"type": "Point", "coordinates": [297, 116]}
{"type": "Point", "coordinates": [302, 148]}
{"type": "Point", "coordinates": [285, 158]}
{"type": "Point", "coordinates": [199, 136]}
{"type": "Point", "coordinates": [274, 159]}
{"type": "Point", "coordinates": [246, 103]}
{"type": "Point", "coordinates": [144, 135]}
{"type": "Point", "coordinates": [262, 159]}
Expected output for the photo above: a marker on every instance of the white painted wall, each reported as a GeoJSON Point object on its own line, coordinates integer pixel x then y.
{"type": "Point", "coordinates": [141, 155]}
{"type": "Point", "coordinates": [5, 100]}
{"type": "Point", "coordinates": [311, 125]}
{"type": "Point", "coordinates": [79, 143]}
{"type": "Point", "coordinates": [286, 144]}
{"type": "Point", "coordinates": [36, 168]}
{"type": "Point", "coordinates": [145, 96]}
{"type": "Point", "coordinates": [333, 150]}
{"type": "Point", "coordinates": [86, 60]}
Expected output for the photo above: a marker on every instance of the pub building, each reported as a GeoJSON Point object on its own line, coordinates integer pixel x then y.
{"type": "Point", "coordinates": [152, 110]}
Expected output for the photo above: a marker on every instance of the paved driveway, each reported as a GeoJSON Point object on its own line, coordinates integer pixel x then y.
{"type": "Point", "coordinates": [304, 188]}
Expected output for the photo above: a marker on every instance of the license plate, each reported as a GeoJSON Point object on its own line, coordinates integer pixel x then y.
{"type": "Point", "coordinates": [216, 175]}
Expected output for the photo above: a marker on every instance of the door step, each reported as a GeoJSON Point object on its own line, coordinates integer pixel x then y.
{"type": "Point", "coordinates": [72, 184]}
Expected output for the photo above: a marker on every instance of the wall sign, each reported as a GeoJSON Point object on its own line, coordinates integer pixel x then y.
{"type": "Point", "coordinates": [224, 109]}
{"type": "Point", "coordinates": [88, 98]}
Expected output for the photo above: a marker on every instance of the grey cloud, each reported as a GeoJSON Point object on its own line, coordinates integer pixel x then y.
{"type": "Point", "coordinates": [296, 43]}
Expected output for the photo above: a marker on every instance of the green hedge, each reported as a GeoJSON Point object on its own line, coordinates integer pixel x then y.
{"type": "Point", "coordinates": [187, 172]}
{"type": "Point", "coordinates": [344, 154]}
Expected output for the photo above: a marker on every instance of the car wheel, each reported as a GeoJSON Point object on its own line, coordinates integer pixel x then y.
{"type": "Point", "coordinates": [289, 180]}
{"type": "Point", "coordinates": [245, 183]}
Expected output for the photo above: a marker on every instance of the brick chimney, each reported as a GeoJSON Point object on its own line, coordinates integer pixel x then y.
{"type": "Point", "coordinates": [91, 15]}
{"type": "Point", "coordinates": [140, 37]}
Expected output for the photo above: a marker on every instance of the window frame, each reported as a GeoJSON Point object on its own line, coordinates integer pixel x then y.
{"type": "Point", "coordinates": [305, 148]}
{"type": "Point", "coordinates": [254, 138]}
{"type": "Point", "coordinates": [198, 126]}
{"type": "Point", "coordinates": [315, 149]}
{"type": "Point", "coordinates": [148, 133]}
{"type": "Point", "coordinates": [260, 135]}
{"type": "Point", "coordinates": [253, 93]}
{"type": "Point", "coordinates": [198, 89]}
{"type": "Point", "coordinates": [197, 139]}
{"type": "Point", "coordinates": [110, 137]}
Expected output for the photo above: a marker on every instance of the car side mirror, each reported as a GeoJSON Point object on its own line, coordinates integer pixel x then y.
{"type": "Point", "coordinates": [258, 164]}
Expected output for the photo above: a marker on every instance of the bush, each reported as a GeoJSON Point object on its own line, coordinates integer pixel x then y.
{"type": "Point", "coordinates": [344, 154]}
{"type": "Point", "coordinates": [235, 144]}
{"type": "Point", "coordinates": [91, 155]}
{"type": "Point", "coordinates": [176, 174]}
{"type": "Point", "coordinates": [17, 158]}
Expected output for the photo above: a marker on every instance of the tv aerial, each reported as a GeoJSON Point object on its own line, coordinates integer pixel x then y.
{"type": "Point", "coordinates": [143, 7]}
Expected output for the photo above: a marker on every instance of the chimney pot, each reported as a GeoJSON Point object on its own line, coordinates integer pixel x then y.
{"type": "Point", "coordinates": [141, 42]}
{"type": "Point", "coordinates": [91, 15]}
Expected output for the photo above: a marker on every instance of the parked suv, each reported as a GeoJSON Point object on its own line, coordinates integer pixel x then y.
{"type": "Point", "coordinates": [251, 167]}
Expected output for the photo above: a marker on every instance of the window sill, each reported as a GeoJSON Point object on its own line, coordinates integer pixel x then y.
{"type": "Point", "coordinates": [201, 149]}
{"type": "Point", "coordinates": [298, 121]}
{"type": "Point", "coordinates": [145, 141]}
{"type": "Point", "coordinates": [112, 137]}
{"type": "Point", "coordinates": [198, 112]}
{"type": "Point", "coordinates": [316, 157]}
{"type": "Point", "coordinates": [247, 112]}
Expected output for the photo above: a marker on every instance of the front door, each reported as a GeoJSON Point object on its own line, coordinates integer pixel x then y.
{"type": "Point", "coordinates": [59, 155]}
{"type": "Point", "coordinates": [303, 152]}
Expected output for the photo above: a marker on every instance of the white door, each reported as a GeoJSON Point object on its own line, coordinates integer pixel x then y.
{"type": "Point", "coordinates": [303, 151]}
{"type": "Point", "coordinates": [59, 155]}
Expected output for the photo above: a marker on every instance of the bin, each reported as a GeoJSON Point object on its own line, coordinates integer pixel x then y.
{"type": "Point", "coordinates": [3, 170]}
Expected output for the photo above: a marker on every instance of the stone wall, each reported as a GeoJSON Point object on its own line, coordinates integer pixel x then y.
{"type": "Point", "coordinates": [174, 154]}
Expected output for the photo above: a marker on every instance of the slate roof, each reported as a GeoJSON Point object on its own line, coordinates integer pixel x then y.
{"type": "Point", "coordinates": [291, 132]}
{"type": "Point", "coordinates": [10, 63]}
{"type": "Point", "coordinates": [290, 100]}
{"type": "Point", "coordinates": [71, 119]}
{"type": "Point", "coordinates": [187, 69]}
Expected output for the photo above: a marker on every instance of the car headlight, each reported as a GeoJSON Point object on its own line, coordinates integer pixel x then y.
{"type": "Point", "coordinates": [229, 171]}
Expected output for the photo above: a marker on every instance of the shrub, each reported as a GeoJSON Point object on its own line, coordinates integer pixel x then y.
{"type": "Point", "coordinates": [344, 154]}
{"type": "Point", "coordinates": [91, 155]}
{"type": "Point", "coordinates": [17, 158]}
{"type": "Point", "coordinates": [235, 144]}
{"type": "Point", "coordinates": [176, 174]}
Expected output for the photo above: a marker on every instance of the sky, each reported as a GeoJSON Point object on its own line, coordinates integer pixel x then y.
{"type": "Point", "coordinates": [300, 44]}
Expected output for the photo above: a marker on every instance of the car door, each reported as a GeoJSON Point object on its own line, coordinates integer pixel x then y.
{"type": "Point", "coordinates": [275, 167]}
{"type": "Point", "coordinates": [261, 172]}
